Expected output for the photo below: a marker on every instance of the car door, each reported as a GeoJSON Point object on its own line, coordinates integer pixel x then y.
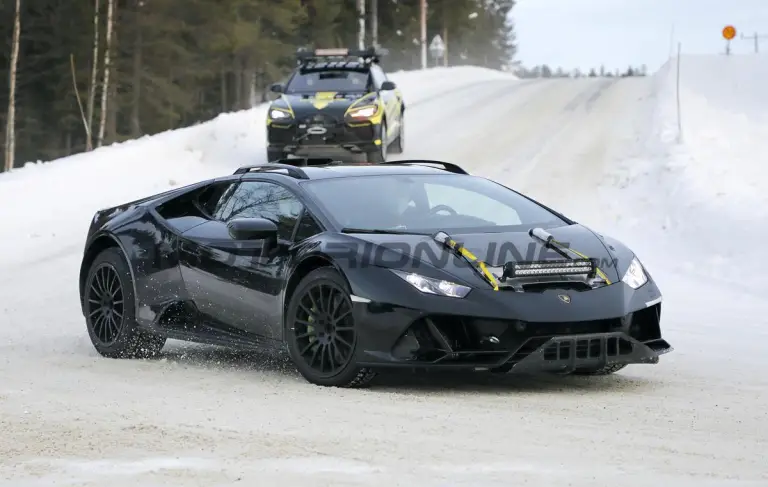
{"type": "Point", "coordinates": [232, 282]}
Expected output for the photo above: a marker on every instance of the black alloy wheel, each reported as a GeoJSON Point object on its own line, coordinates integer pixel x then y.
{"type": "Point", "coordinates": [106, 304]}
{"type": "Point", "coordinates": [325, 331]}
{"type": "Point", "coordinates": [109, 306]}
{"type": "Point", "coordinates": [322, 333]}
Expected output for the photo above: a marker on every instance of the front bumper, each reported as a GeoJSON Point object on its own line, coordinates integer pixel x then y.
{"type": "Point", "coordinates": [447, 336]}
{"type": "Point", "coordinates": [322, 135]}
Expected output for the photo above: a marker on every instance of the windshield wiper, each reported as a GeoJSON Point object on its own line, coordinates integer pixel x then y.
{"type": "Point", "coordinates": [478, 265]}
{"type": "Point", "coordinates": [385, 231]}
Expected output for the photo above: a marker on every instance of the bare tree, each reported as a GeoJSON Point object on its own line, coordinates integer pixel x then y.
{"type": "Point", "coordinates": [94, 74]}
{"type": "Point", "coordinates": [107, 60]}
{"type": "Point", "coordinates": [137, 72]}
{"type": "Point", "coordinates": [77, 96]}
{"type": "Point", "coordinates": [10, 134]}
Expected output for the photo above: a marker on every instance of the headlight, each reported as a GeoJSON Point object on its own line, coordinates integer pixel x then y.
{"type": "Point", "coordinates": [364, 112]}
{"type": "Point", "coordinates": [278, 114]}
{"type": "Point", "coordinates": [433, 286]}
{"type": "Point", "coordinates": [635, 275]}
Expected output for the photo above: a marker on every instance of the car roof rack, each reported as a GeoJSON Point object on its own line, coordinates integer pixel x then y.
{"type": "Point", "coordinates": [290, 165]}
{"type": "Point", "coordinates": [342, 56]}
{"type": "Point", "coordinates": [293, 165]}
{"type": "Point", "coordinates": [447, 166]}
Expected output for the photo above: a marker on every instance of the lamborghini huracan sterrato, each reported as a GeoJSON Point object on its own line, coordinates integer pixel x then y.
{"type": "Point", "coordinates": [357, 267]}
{"type": "Point", "coordinates": [336, 103]}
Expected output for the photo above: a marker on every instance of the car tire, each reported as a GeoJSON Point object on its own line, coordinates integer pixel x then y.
{"type": "Point", "coordinates": [109, 305]}
{"type": "Point", "coordinates": [320, 331]}
{"type": "Point", "coordinates": [398, 145]}
{"type": "Point", "coordinates": [379, 154]}
{"type": "Point", "coordinates": [607, 370]}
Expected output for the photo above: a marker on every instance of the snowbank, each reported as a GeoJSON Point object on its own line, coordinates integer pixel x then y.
{"type": "Point", "coordinates": [725, 133]}
{"type": "Point", "coordinates": [58, 199]}
{"type": "Point", "coordinates": [421, 85]}
{"type": "Point", "coordinates": [722, 161]}
{"type": "Point", "coordinates": [700, 199]}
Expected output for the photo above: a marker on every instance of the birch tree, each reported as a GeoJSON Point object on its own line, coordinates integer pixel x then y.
{"type": "Point", "coordinates": [105, 84]}
{"type": "Point", "coordinates": [10, 134]}
{"type": "Point", "coordinates": [94, 74]}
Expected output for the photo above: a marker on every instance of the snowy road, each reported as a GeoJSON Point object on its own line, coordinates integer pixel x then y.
{"type": "Point", "coordinates": [203, 417]}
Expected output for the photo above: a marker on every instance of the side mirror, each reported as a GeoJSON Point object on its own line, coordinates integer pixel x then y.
{"type": "Point", "coordinates": [253, 229]}
{"type": "Point", "coordinates": [388, 86]}
{"type": "Point", "coordinates": [276, 88]}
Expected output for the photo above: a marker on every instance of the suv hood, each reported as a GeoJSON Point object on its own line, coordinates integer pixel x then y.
{"type": "Point", "coordinates": [335, 103]}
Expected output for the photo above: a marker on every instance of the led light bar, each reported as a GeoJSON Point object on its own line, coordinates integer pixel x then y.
{"type": "Point", "coordinates": [549, 268]}
{"type": "Point", "coordinates": [332, 52]}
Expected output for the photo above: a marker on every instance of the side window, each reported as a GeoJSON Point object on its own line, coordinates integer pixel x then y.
{"type": "Point", "coordinates": [214, 196]}
{"type": "Point", "coordinates": [258, 199]}
{"type": "Point", "coordinates": [308, 227]}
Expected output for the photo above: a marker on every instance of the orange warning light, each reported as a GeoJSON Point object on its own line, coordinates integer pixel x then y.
{"type": "Point", "coordinates": [729, 32]}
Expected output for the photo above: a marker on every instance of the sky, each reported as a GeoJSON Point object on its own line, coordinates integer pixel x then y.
{"type": "Point", "coordinates": [618, 33]}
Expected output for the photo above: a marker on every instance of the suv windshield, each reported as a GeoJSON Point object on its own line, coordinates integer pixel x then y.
{"type": "Point", "coordinates": [338, 80]}
{"type": "Point", "coordinates": [428, 203]}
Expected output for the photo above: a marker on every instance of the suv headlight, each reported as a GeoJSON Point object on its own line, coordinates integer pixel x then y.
{"type": "Point", "coordinates": [429, 285]}
{"type": "Point", "coordinates": [364, 112]}
{"type": "Point", "coordinates": [276, 114]}
{"type": "Point", "coordinates": [635, 275]}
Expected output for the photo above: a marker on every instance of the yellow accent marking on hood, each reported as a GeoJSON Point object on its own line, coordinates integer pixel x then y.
{"type": "Point", "coordinates": [323, 98]}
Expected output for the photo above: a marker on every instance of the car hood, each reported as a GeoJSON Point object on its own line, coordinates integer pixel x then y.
{"type": "Point", "coordinates": [333, 103]}
{"type": "Point", "coordinates": [495, 249]}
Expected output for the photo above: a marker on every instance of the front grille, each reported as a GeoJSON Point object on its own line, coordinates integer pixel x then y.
{"type": "Point", "coordinates": [540, 287]}
{"type": "Point", "coordinates": [321, 120]}
{"type": "Point", "coordinates": [538, 328]}
{"type": "Point", "coordinates": [588, 348]}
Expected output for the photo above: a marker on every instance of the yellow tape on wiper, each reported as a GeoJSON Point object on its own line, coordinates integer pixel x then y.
{"type": "Point", "coordinates": [599, 272]}
{"type": "Point", "coordinates": [478, 265]}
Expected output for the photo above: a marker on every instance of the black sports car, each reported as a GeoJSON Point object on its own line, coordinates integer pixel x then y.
{"type": "Point", "coordinates": [336, 103]}
{"type": "Point", "coordinates": [357, 267]}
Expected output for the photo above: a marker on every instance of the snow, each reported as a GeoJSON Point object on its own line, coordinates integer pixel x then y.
{"type": "Point", "coordinates": [605, 151]}
{"type": "Point", "coordinates": [726, 118]}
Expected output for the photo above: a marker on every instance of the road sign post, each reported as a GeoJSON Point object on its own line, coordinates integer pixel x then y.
{"type": "Point", "coordinates": [729, 32]}
{"type": "Point", "coordinates": [436, 48]}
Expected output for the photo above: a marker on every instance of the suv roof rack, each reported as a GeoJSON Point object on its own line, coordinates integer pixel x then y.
{"type": "Point", "coordinates": [369, 55]}
{"type": "Point", "coordinates": [290, 165]}
{"type": "Point", "coordinates": [447, 166]}
{"type": "Point", "coordinates": [293, 165]}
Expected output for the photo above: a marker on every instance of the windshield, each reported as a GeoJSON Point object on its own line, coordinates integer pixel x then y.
{"type": "Point", "coordinates": [339, 80]}
{"type": "Point", "coordinates": [428, 203]}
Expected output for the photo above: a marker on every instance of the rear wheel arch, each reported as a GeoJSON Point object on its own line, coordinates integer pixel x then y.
{"type": "Point", "coordinates": [99, 245]}
{"type": "Point", "coordinates": [96, 247]}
